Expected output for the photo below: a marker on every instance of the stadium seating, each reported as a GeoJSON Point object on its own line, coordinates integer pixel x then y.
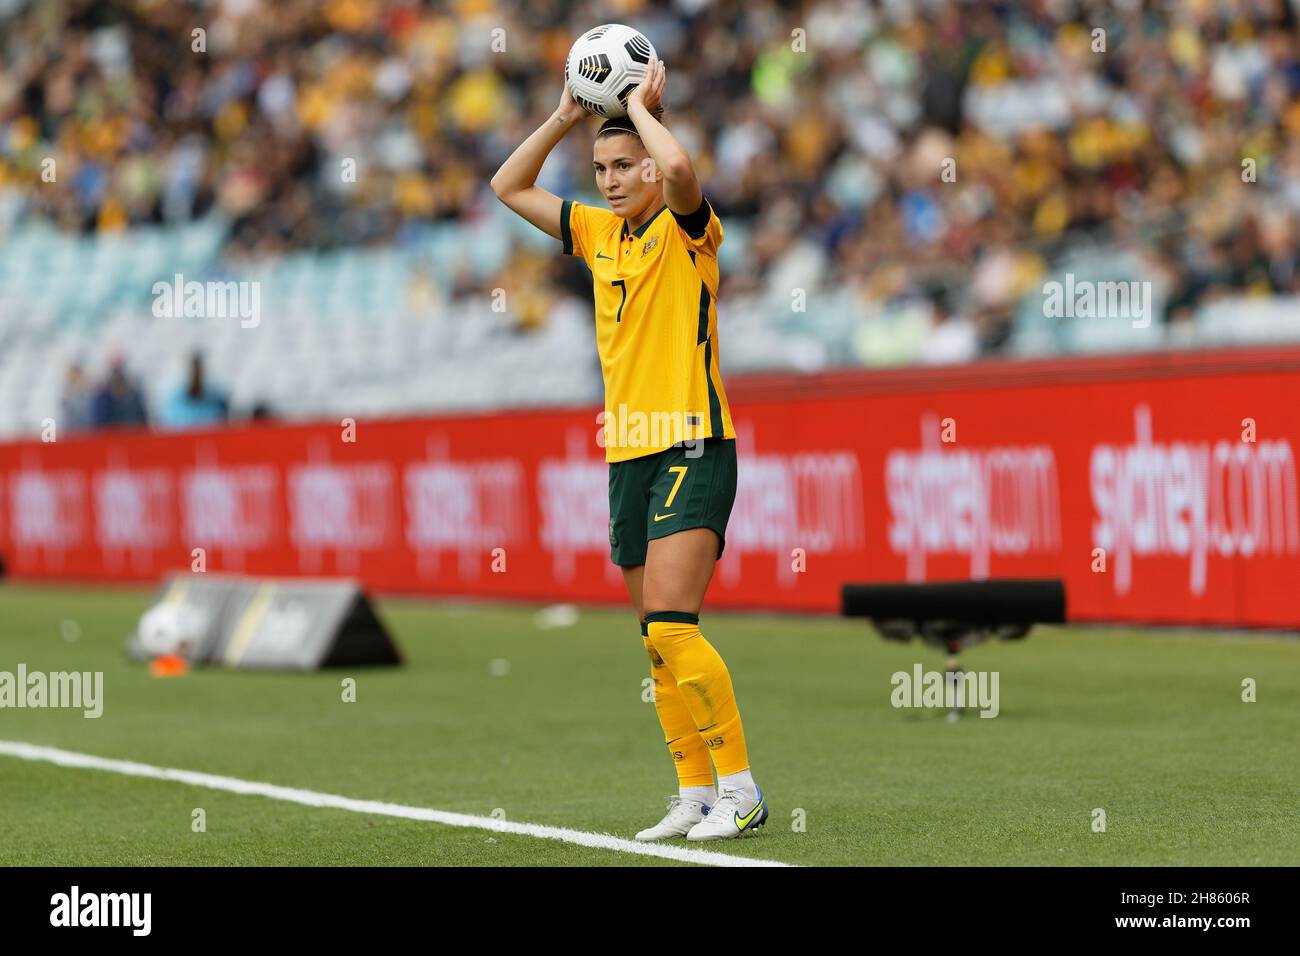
{"type": "Point", "coordinates": [349, 332]}
{"type": "Point", "coordinates": [844, 246]}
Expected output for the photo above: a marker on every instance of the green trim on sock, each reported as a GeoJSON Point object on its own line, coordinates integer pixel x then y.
{"type": "Point", "coordinates": [645, 629]}
{"type": "Point", "coordinates": [671, 617]}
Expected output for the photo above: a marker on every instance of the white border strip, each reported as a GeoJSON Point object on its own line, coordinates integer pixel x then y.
{"type": "Point", "coordinates": [311, 798]}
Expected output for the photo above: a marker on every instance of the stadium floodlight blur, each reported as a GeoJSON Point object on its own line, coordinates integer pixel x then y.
{"type": "Point", "coordinates": [899, 184]}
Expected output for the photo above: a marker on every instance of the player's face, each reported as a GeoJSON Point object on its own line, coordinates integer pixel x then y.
{"type": "Point", "coordinates": [625, 175]}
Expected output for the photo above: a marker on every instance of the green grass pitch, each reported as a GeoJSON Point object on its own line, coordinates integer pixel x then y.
{"type": "Point", "coordinates": [1148, 725]}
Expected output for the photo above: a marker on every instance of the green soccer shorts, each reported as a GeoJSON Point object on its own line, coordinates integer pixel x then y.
{"type": "Point", "coordinates": [673, 490]}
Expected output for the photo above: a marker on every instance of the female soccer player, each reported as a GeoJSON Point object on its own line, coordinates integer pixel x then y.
{"type": "Point", "coordinates": [669, 438]}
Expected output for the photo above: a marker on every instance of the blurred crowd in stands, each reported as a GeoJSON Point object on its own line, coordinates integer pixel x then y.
{"type": "Point", "coordinates": [119, 401]}
{"type": "Point", "coordinates": [887, 156]}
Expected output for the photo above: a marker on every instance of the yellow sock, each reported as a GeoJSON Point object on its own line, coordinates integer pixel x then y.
{"type": "Point", "coordinates": [690, 756]}
{"type": "Point", "coordinates": [704, 683]}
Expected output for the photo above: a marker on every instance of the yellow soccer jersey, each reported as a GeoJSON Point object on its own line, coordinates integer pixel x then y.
{"type": "Point", "coordinates": [656, 325]}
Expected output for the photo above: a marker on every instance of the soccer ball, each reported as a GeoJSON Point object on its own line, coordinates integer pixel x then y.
{"type": "Point", "coordinates": [171, 628]}
{"type": "Point", "coordinates": [605, 65]}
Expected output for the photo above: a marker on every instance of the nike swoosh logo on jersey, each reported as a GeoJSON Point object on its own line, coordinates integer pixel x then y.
{"type": "Point", "coordinates": [659, 517]}
{"type": "Point", "coordinates": [601, 255]}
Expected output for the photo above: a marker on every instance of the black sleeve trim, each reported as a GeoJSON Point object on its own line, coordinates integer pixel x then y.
{"type": "Point", "coordinates": [696, 223]}
{"type": "Point", "coordinates": [566, 234]}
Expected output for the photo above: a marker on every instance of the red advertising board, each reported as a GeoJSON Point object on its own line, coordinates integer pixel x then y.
{"type": "Point", "coordinates": [1160, 488]}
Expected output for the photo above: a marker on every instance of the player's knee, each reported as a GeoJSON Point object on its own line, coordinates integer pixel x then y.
{"type": "Point", "coordinates": [668, 598]}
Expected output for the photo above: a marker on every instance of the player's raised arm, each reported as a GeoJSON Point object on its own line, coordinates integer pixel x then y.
{"type": "Point", "coordinates": [514, 182]}
{"type": "Point", "coordinates": [681, 188]}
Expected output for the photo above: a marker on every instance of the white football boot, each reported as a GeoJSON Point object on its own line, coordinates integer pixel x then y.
{"type": "Point", "coordinates": [681, 816]}
{"type": "Point", "coordinates": [732, 815]}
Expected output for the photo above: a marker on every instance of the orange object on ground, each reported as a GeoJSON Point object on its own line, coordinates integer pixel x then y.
{"type": "Point", "coordinates": [169, 665]}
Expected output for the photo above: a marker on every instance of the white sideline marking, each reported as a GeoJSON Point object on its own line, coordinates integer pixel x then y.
{"type": "Point", "coordinates": [311, 798]}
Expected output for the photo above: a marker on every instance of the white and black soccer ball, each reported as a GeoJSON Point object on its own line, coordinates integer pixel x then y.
{"type": "Point", "coordinates": [605, 65]}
